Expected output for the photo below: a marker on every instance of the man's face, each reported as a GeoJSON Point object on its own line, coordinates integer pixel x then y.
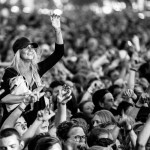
{"type": "Point", "coordinates": [10, 143]}
{"type": "Point", "coordinates": [77, 135]}
{"type": "Point", "coordinates": [108, 101]}
{"type": "Point", "coordinates": [21, 125]}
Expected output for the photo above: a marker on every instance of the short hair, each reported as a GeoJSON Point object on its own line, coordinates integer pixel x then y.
{"type": "Point", "coordinates": [9, 132]}
{"type": "Point", "coordinates": [33, 142]}
{"type": "Point", "coordinates": [56, 83]}
{"type": "Point", "coordinates": [94, 135]}
{"type": "Point", "coordinates": [82, 122]}
{"type": "Point", "coordinates": [46, 143]}
{"type": "Point", "coordinates": [106, 117]}
{"type": "Point", "coordinates": [81, 105]}
{"type": "Point", "coordinates": [98, 96]}
{"type": "Point", "coordinates": [64, 128]}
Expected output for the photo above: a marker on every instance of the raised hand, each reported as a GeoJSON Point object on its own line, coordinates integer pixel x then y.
{"type": "Point", "coordinates": [136, 61]}
{"type": "Point", "coordinates": [55, 20]}
{"type": "Point", "coordinates": [129, 93]}
{"type": "Point", "coordinates": [144, 98]}
{"type": "Point", "coordinates": [64, 95]}
{"type": "Point", "coordinates": [96, 85]}
{"type": "Point", "coordinates": [45, 114]}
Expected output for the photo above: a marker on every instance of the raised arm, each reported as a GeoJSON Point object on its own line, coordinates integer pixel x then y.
{"type": "Point", "coordinates": [62, 100]}
{"type": "Point", "coordinates": [42, 115]}
{"type": "Point", "coordinates": [55, 19]}
{"type": "Point", "coordinates": [143, 136]}
{"type": "Point", "coordinates": [48, 63]}
{"type": "Point", "coordinates": [11, 120]}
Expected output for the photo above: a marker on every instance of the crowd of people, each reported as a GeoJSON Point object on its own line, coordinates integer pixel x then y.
{"type": "Point", "coordinates": [79, 81]}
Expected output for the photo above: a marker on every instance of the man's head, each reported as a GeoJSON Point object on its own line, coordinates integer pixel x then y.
{"type": "Point", "coordinates": [10, 139]}
{"type": "Point", "coordinates": [103, 98]}
{"type": "Point", "coordinates": [69, 131]}
{"type": "Point", "coordinates": [56, 86]}
{"type": "Point", "coordinates": [21, 125]}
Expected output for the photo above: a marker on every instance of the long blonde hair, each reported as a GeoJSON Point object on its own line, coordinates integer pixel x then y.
{"type": "Point", "coordinates": [18, 63]}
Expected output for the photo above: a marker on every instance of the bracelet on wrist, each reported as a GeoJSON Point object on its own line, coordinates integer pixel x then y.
{"type": "Point", "coordinates": [25, 102]}
{"type": "Point", "coordinates": [58, 30]}
{"type": "Point", "coordinates": [21, 108]}
{"type": "Point", "coordinates": [138, 106]}
{"type": "Point", "coordinates": [133, 69]}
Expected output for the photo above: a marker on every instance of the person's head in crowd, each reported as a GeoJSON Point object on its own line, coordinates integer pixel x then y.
{"type": "Point", "coordinates": [100, 137]}
{"type": "Point", "coordinates": [79, 78]}
{"type": "Point", "coordinates": [113, 74]}
{"type": "Point", "coordinates": [20, 47]}
{"type": "Point", "coordinates": [107, 81]}
{"type": "Point", "coordinates": [82, 116]}
{"type": "Point", "coordinates": [44, 141]}
{"type": "Point", "coordinates": [95, 84]}
{"type": "Point", "coordinates": [103, 118]}
{"type": "Point", "coordinates": [48, 143]}
{"type": "Point", "coordinates": [81, 122]}
{"type": "Point", "coordinates": [102, 99]}
{"type": "Point", "coordinates": [143, 82]}
{"type": "Point", "coordinates": [115, 90]}
{"type": "Point", "coordinates": [10, 139]}
{"type": "Point", "coordinates": [92, 44]}
{"type": "Point", "coordinates": [69, 131]}
{"type": "Point", "coordinates": [21, 125]}
{"type": "Point", "coordinates": [56, 86]}
{"type": "Point", "coordinates": [87, 107]}
{"type": "Point", "coordinates": [82, 65]}
{"type": "Point", "coordinates": [48, 92]}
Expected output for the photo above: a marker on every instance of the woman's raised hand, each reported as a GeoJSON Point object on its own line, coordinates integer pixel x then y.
{"type": "Point", "coordinates": [55, 20]}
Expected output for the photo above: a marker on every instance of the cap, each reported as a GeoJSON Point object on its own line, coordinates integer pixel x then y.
{"type": "Point", "coordinates": [22, 43]}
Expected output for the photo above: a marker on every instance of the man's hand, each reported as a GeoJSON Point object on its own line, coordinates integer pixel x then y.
{"type": "Point", "coordinates": [45, 114]}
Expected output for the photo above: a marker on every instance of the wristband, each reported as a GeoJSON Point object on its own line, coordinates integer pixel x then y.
{"type": "Point", "coordinates": [137, 106]}
{"type": "Point", "coordinates": [21, 108]}
{"type": "Point", "coordinates": [133, 69]}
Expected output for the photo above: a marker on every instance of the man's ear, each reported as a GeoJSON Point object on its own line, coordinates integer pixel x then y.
{"type": "Point", "coordinates": [101, 104]}
{"type": "Point", "coordinates": [22, 145]}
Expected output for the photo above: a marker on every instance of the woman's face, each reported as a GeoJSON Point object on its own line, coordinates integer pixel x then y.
{"type": "Point", "coordinates": [21, 125]}
{"type": "Point", "coordinates": [96, 121]}
{"type": "Point", "coordinates": [88, 108]}
{"type": "Point", "coordinates": [27, 53]}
